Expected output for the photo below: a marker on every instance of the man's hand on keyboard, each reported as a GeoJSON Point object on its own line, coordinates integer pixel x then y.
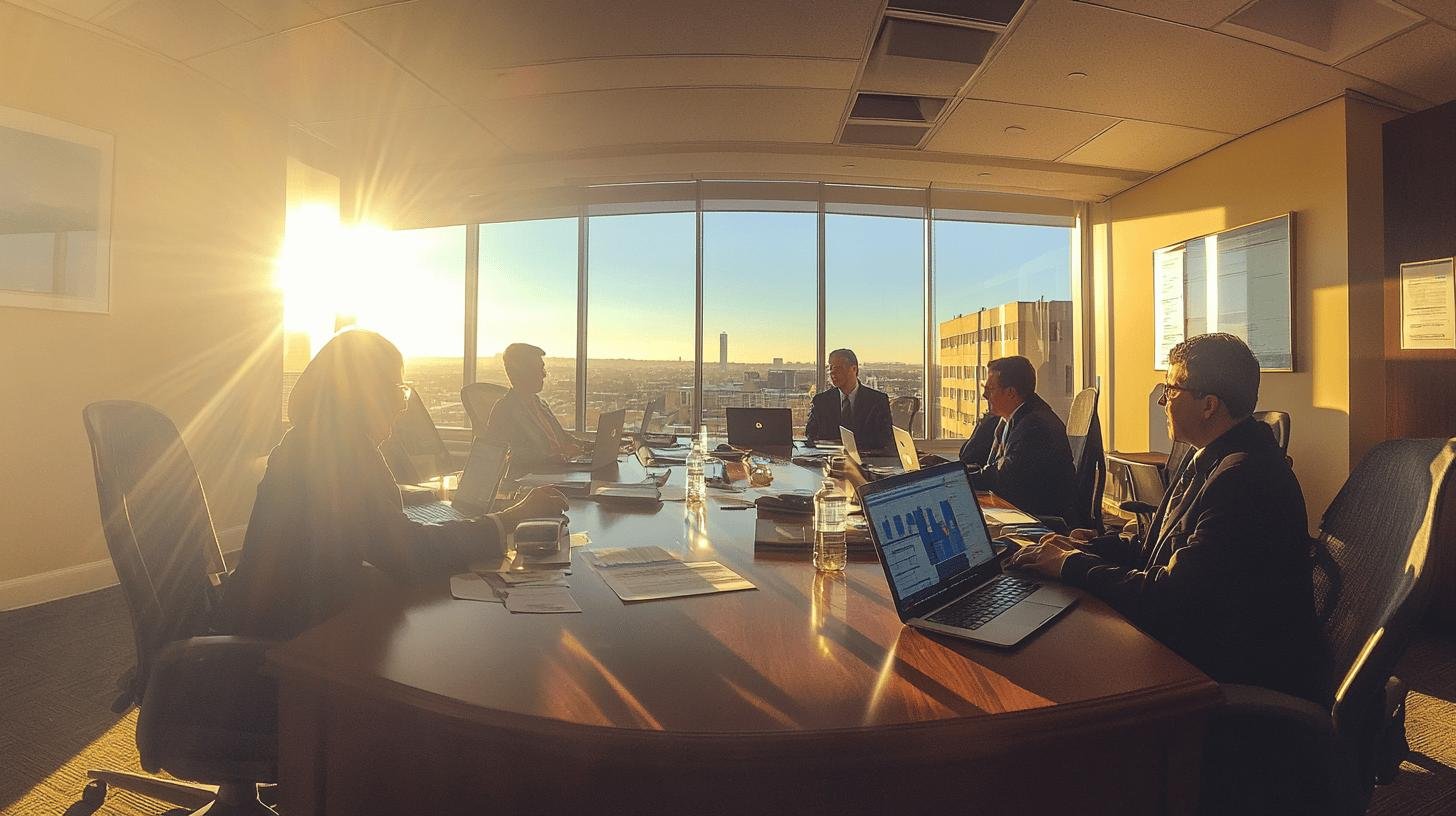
{"type": "Point", "coordinates": [1046, 556]}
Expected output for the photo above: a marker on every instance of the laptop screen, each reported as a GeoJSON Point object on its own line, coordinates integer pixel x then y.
{"type": "Point", "coordinates": [929, 529]}
{"type": "Point", "coordinates": [481, 477]}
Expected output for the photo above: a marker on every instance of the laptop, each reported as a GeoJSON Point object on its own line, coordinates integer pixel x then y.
{"type": "Point", "coordinates": [645, 435]}
{"type": "Point", "coordinates": [944, 576]}
{"type": "Point", "coordinates": [905, 446]}
{"type": "Point", "coordinates": [608, 445]}
{"type": "Point", "coordinates": [476, 492]}
{"type": "Point", "coordinates": [877, 465]}
{"type": "Point", "coordinates": [761, 428]}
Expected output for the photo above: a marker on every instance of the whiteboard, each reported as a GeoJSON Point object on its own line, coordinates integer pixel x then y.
{"type": "Point", "coordinates": [1238, 281]}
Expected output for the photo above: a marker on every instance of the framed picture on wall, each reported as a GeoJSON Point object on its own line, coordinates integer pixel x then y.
{"type": "Point", "coordinates": [55, 214]}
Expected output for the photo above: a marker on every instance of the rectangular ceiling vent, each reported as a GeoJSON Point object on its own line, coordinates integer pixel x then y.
{"type": "Point", "coordinates": [896, 107]}
{"type": "Point", "coordinates": [914, 39]}
{"type": "Point", "coordinates": [882, 135]}
{"type": "Point", "coordinates": [998, 12]}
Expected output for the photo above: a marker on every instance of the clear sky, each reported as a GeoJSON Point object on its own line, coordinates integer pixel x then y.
{"type": "Point", "coordinates": [758, 273]}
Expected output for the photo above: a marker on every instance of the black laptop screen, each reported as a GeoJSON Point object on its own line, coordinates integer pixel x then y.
{"type": "Point", "coordinates": [929, 530]}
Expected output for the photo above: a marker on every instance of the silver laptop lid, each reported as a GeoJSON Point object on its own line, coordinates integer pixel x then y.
{"type": "Point", "coordinates": [480, 481]}
{"type": "Point", "coordinates": [905, 445]}
{"type": "Point", "coordinates": [846, 438]}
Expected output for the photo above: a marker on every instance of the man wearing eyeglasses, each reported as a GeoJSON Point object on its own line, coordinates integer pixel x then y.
{"type": "Point", "coordinates": [1223, 574]}
{"type": "Point", "coordinates": [522, 420]}
{"type": "Point", "coordinates": [1020, 447]}
{"type": "Point", "coordinates": [852, 404]}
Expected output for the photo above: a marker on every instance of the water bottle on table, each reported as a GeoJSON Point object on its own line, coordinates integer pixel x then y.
{"type": "Point", "coordinates": [697, 488]}
{"type": "Point", "coordinates": [831, 507]}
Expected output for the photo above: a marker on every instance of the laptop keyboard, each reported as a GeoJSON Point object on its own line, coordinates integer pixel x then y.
{"type": "Point", "coordinates": [434, 513]}
{"type": "Point", "coordinates": [978, 608]}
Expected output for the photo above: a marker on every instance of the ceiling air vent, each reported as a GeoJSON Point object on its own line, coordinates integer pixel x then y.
{"type": "Point", "coordinates": [980, 11]}
{"type": "Point", "coordinates": [924, 59]}
{"type": "Point", "coordinates": [896, 107]}
{"type": "Point", "coordinates": [882, 135]}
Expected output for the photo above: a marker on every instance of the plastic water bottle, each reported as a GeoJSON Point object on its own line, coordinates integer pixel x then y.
{"type": "Point", "coordinates": [830, 509]}
{"type": "Point", "coordinates": [697, 488]}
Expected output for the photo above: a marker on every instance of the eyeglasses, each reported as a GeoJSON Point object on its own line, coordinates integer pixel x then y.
{"type": "Point", "coordinates": [988, 388]}
{"type": "Point", "coordinates": [1171, 388]}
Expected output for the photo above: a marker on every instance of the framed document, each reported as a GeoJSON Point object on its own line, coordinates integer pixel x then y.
{"type": "Point", "coordinates": [1428, 305]}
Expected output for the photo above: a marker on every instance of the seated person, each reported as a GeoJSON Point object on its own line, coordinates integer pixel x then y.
{"type": "Point", "coordinates": [1224, 575]}
{"type": "Point", "coordinates": [1021, 444]}
{"type": "Point", "coordinates": [328, 503]}
{"type": "Point", "coordinates": [849, 403]}
{"type": "Point", "coordinates": [522, 421]}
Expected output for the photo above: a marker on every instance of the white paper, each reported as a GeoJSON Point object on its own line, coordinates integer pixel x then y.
{"type": "Point", "coordinates": [468, 586]}
{"type": "Point", "coordinates": [997, 516]}
{"type": "Point", "coordinates": [533, 578]}
{"type": "Point", "coordinates": [1167, 304]}
{"type": "Point", "coordinates": [672, 579]}
{"type": "Point", "coordinates": [618, 556]}
{"type": "Point", "coordinates": [1427, 305]}
{"type": "Point", "coordinates": [580, 539]}
{"type": "Point", "coordinates": [541, 600]}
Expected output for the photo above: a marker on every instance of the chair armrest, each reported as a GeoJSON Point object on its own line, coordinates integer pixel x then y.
{"type": "Point", "coordinates": [1137, 507]}
{"type": "Point", "coordinates": [1276, 708]}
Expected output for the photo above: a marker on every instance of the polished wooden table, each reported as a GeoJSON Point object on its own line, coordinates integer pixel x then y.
{"type": "Point", "coordinates": [806, 695]}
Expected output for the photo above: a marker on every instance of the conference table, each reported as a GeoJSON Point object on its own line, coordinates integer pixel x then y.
{"type": "Point", "coordinates": [805, 695]}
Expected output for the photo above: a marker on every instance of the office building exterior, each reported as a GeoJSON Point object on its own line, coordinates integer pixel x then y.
{"type": "Point", "coordinates": [1038, 330]}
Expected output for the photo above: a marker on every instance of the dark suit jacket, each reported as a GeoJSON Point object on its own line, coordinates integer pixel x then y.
{"type": "Point", "coordinates": [512, 425]}
{"type": "Point", "coordinates": [1228, 581]}
{"type": "Point", "coordinates": [1035, 473]}
{"type": "Point", "coordinates": [328, 503]}
{"type": "Point", "coordinates": [870, 423]}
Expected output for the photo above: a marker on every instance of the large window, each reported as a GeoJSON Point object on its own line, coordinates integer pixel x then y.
{"type": "Point", "coordinates": [641, 314]}
{"type": "Point", "coordinates": [1001, 290]}
{"type": "Point", "coordinates": [874, 270]}
{"type": "Point", "coordinates": [759, 296]}
{"type": "Point", "coordinates": [527, 289]}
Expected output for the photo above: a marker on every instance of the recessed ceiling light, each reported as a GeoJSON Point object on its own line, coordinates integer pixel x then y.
{"type": "Point", "coordinates": [983, 175]}
{"type": "Point", "coordinates": [1076, 75]}
{"type": "Point", "coordinates": [1015, 129]}
{"type": "Point", "coordinates": [848, 166]}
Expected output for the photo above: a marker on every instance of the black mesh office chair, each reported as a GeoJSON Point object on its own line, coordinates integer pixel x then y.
{"type": "Point", "coordinates": [1084, 434]}
{"type": "Point", "coordinates": [1144, 483]}
{"type": "Point", "coordinates": [207, 712]}
{"type": "Point", "coordinates": [1272, 753]}
{"type": "Point", "coordinates": [479, 400]}
{"type": "Point", "coordinates": [903, 411]}
{"type": "Point", "coordinates": [1278, 421]}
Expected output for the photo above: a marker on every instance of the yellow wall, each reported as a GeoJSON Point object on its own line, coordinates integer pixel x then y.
{"type": "Point", "coordinates": [1299, 164]}
{"type": "Point", "coordinates": [197, 214]}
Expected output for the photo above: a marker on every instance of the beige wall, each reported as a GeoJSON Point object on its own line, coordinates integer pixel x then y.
{"type": "Point", "coordinates": [197, 215]}
{"type": "Point", "coordinates": [1300, 164]}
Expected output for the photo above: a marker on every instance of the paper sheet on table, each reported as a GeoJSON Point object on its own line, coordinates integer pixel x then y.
{"type": "Point", "coordinates": [731, 500]}
{"type": "Point", "coordinates": [541, 600]}
{"type": "Point", "coordinates": [619, 556]}
{"type": "Point", "coordinates": [672, 579]}
{"type": "Point", "coordinates": [468, 586]}
{"type": "Point", "coordinates": [1002, 517]}
{"type": "Point", "coordinates": [580, 539]}
{"type": "Point", "coordinates": [674, 493]}
{"type": "Point", "coordinates": [533, 578]}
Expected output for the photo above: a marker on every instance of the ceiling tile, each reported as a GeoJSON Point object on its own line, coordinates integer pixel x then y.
{"type": "Point", "coordinates": [1422, 62]}
{"type": "Point", "coordinates": [1201, 13]}
{"type": "Point", "coordinates": [318, 73]}
{"type": "Point", "coordinates": [610, 118]}
{"type": "Point", "coordinates": [336, 7]}
{"type": "Point", "coordinates": [274, 16]}
{"type": "Point", "coordinates": [425, 136]}
{"type": "Point", "coordinates": [1442, 11]}
{"type": "Point", "coordinates": [80, 9]}
{"type": "Point", "coordinates": [1149, 146]}
{"type": "Point", "coordinates": [1328, 36]}
{"type": "Point", "coordinates": [979, 127]}
{"type": "Point", "coordinates": [1141, 68]}
{"type": "Point", "coordinates": [180, 28]}
{"type": "Point", "coordinates": [469, 34]}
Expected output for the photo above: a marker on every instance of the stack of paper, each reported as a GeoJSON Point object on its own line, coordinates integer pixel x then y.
{"type": "Point", "coordinates": [650, 573]}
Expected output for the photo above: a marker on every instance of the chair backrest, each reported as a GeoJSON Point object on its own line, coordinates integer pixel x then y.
{"type": "Point", "coordinates": [903, 411]}
{"type": "Point", "coordinates": [479, 400]}
{"type": "Point", "coordinates": [1371, 562]}
{"type": "Point", "coordinates": [419, 439]}
{"type": "Point", "coordinates": [1084, 435]}
{"type": "Point", "coordinates": [1176, 455]}
{"type": "Point", "coordinates": [157, 525]}
{"type": "Point", "coordinates": [1279, 422]}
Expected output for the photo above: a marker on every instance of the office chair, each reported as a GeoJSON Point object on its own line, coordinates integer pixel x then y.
{"type": "Point", "coordinates": [1144, 483]}
{"type": "Point", "coordinates": [479, 399]}
{"type": "Point", "coordinates": [207, 712]}
{"type": "Point", "coordinates": [1084, 434]}
{"type": "Point", "coordinates": [1269, 752]}
{"type": "Point", "coordinates": [414, 451]}
{"type": "Point", "coordinates": [903, 411]}
{"type": "Point", "coordinates": [1279, 422]}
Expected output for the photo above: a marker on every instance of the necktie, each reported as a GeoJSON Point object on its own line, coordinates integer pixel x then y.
{"type": "Point", "coordinates": [998, 448]}
{"type": "Point", "coordinates": [846, 412]}
{"type": "Point", "coordinates": [1176, 496]}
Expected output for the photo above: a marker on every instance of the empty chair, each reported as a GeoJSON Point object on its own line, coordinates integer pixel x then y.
{"type": "Point", "coordinates": [1272, 753]}
{"type": "Point", "coordinates": [479, 400]}
{"type": "Point", "coordinates": [1084, 435]}
{"type": "Point", "coordinates": [207, 713]}
{"type": "Point", "coordinates": [1279, 422]}
{"type": "Point", "coordinates": [903, 411]}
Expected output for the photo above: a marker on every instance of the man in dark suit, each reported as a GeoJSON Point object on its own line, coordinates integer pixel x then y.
{"type": "Point", "coordinates": [1223, 574]}
{"type": "Point", "coordinates": [849, 403]}
{"type": "Point", "coordinates": [521, 420]}
{"type": "Point", "coordinates": [1020, 446]}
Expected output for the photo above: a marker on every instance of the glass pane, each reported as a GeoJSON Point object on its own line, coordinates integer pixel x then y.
{"type": "Point", "coordinates": [874, 270]}
{"type": "Point", "coordinates": [1001, 290]}
{"type": "Point", "coordinates": [640, 315]}
{"type": "Point", "coordinates": [528, 295]}
{"type": "Point", "coordinates": [410, 287]}
{"type": "Point", "coordinates": [758, 313]}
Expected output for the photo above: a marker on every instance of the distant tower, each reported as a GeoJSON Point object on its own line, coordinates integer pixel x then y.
{"type": "Point", "coordinates": [723, 351]}
{"type": "Point", "coordinates": [778, 361]}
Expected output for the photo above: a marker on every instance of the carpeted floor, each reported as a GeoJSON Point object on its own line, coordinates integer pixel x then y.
{"type": "Point", "coordinates": [62, 660]}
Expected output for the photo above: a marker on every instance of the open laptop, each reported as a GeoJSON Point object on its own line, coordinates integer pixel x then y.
{"type": "Point", "coordinates": [905, 446]}
{"type": "Point", "coordinates": [761, 428]}
{"type": "Point", "coordinates": [878, 465]}
{"type": "Point", "coordinates": [608, 444]}
{"type": "Point", "coordinates": [944, 576]}
{"type": "Point", "coordinates": [476, 492]}
{"type": "Point", "coordinates": [645, 435]}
